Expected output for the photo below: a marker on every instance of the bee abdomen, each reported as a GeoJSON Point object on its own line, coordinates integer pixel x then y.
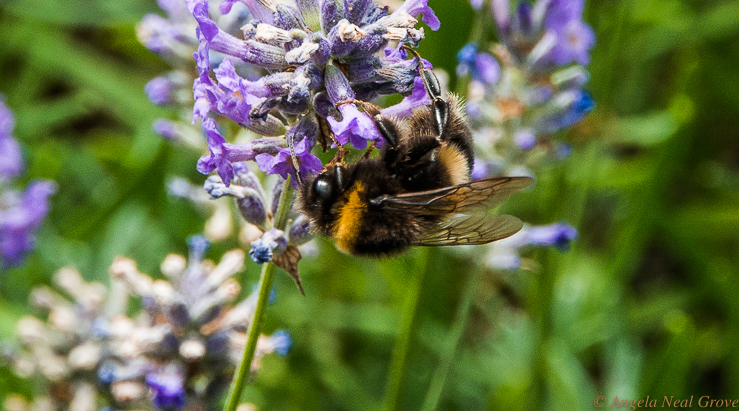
{"type": "Point", "coordinates": [455, 164]}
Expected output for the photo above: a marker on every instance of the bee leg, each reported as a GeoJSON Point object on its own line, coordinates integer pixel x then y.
{"type": "Point", "coordinates": [387, 130]}
{"type": "Point", "coordinates": [433, 88]}
{"type": "Point", "coordinates": [294, 159]}
{"type": "Point", "coordinates": [369, 150]}
{"type": "Point", "coordinates": [339, 156]}
{"type": "Point", "coordinates": [439, 106]}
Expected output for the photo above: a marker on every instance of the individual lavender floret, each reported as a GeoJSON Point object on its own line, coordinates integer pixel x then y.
{"type": "Point", "coordinates": [303, 137]}
{"type": "Point", "coordinates": [169, 89]}
{"type": "Point", "coordinates": [223, 154]}
{"type": "Point", "coordinates": [505, 254]}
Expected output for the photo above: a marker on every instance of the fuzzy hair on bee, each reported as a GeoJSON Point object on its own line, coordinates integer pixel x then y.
{"type": "Point", "coordinates": [418, 192]}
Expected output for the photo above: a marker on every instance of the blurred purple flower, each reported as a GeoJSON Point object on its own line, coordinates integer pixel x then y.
{"type": "Point", "coordinates": [165, 128]}
{"type": "Point", "coordinates": [160, 91]}
{"type": "Point", "coordinates": [525, 139]}
{"type": "Point", "coordinates": [482, 66]}
{"type": "Point", "coordinates": [557, 235]}
{"type": "Point", "coordinates": [11, 160]}
{"type": "Point", "coordinates": [21, 218]}
{"type": "Point", "coordinates": [574, 41]}
{"type": "Point", "coordinates": [480, 169]}
{"type": "Point", "coordinates": [168, 391]}
{"type": "Point", "coordinates": [282, 341]}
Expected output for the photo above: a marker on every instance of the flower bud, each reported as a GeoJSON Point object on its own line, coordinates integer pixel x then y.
{"type": "Point", "coordinates": [337, 85]}
{"type": "Point", "coordinates": [252, 208]}
{"type": "Point", "coordinates": [271, 244]}
{"type": "Point", "coordinates": [311, 14]}
{"type": "Point", "coordinates": [300, 231]}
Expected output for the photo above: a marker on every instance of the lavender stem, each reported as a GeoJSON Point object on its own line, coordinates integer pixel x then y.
{"type": "Point", "coordinates": [265, 286]}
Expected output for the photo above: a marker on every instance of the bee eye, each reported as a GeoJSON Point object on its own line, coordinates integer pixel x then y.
{"type": "Point", "coordinates": [323, 187]}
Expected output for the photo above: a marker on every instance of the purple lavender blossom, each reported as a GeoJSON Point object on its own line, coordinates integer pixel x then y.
{"type": "Point", "coordinates": [21, 218]}
{"type": "Point", "coordinates": [551, 32]}
{"type": "Point", "coordinates": [419, 96]}
{"type": "Point", "coordinates": [282, 165]}
{"type": "Point", "coordinates": [574, 40]}
{"type": "Point", "coordinates": [168, 391]}
{"type": "Point", "coordinates": [223, 154]}
{"type": "Point", "coordinates": [218, 153]}
{"type": "Point", "coordinates": [11, 161]}
{"type": "Point", "coordinates": [356, 128]}
{"type": "Point", "coordinates": [415, 7]}
{"type": "Point", "coordinates": [160, 91]}
{"type": "Point", "coordinates": [482, 66]}
{"type": "Point", "coordinates": [282, 342]}
{"type": "Point", "coordinates": [557, 235]}
{"type": "Point", "coordinates": [165, 128]}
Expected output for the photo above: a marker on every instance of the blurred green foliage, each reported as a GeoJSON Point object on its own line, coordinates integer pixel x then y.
{"type": "Point", "coordinates": [645, 303]}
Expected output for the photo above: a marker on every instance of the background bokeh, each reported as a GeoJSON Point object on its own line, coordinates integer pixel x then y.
{"type": "Point", "coordinates": [646, 302]}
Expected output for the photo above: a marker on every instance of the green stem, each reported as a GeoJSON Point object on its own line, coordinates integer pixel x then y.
{"type": "Point", "coordinates": [265, 286]}
{"type": "Point", "coordinates": [460, 323]}
{"type": "Point", "coordinates": [402, 346]}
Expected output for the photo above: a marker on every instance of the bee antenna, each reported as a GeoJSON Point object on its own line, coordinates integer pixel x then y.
{"type": "Point", "coordinates": [294, 158]}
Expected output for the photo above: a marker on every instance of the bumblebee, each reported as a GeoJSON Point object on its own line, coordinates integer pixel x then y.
{"type": "Point", "coordinates": [418, 192]}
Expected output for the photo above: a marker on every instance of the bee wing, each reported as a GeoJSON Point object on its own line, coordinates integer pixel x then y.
{"type": "Point", "coordinates": [462, 199]}
{"type": "Point", "coordinates": [471, 230]}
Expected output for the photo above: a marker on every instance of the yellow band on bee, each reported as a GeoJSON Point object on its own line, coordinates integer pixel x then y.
{"type": "Point", "coordinates": [350, 218]}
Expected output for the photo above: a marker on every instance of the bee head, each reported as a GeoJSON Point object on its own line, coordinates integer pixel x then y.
{"type": "Point", "coordinates": [329, 184]}
{"type": "Point", "coordinates": [319, 197]}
